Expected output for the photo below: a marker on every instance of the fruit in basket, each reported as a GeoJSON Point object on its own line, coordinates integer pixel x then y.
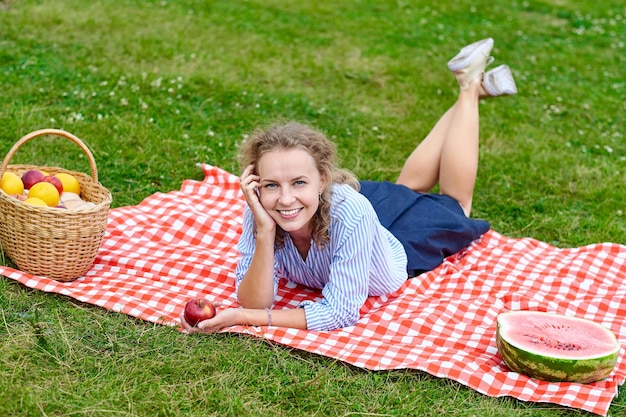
{"type": "Point", "coordinates": [70, 183]}
{"type": "Point", "coordinates": [197, 310]}
{"type": "Point", "coordinates": [46, 192]}
{"type": "Point", "coordinates": [11, 183]}
{"type": "Point", "coordinates": [32, 177]}
{"type": "Point", "coordinates": [34, 201]}
{"type": "Point", "coordinates": [54, 181]}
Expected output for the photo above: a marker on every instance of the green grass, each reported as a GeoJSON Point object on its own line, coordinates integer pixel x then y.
{"type": "Point", "coordinates": [155, 87]}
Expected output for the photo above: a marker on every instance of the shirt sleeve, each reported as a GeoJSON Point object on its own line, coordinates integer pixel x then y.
{"type": "Point", "coordinates": [246, 247]}
{"type": "Point", "coordinates": [347, 287]}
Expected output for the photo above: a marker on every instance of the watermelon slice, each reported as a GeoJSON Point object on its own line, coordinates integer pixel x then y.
{"type": "Point", "coordinates": [554, 347]}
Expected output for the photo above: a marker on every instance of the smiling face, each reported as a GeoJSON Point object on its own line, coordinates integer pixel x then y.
{"type": "Point", "coordinates": [289, 191]}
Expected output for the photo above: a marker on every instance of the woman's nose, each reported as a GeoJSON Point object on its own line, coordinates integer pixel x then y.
{"type": "Point", "coordinates": [286, 196]}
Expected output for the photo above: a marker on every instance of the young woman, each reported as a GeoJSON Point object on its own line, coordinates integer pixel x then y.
{"type": "Point", "coordinates": [314, 224]}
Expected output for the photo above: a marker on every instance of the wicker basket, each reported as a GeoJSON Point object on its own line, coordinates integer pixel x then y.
{"type": "Point", "coordinates": [52, 242]}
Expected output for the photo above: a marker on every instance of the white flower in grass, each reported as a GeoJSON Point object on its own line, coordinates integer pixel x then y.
{"type": "Point", "coordinates": [157, 83]}
{"type": "Point", "coordinates": [75, 117]}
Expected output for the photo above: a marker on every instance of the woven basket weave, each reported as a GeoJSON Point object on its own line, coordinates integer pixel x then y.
{"type": "Point", "coordinates": [57, 243]}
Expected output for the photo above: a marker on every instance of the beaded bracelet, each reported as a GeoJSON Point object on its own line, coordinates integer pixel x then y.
{"type": "Point", "coordinates": [269, 317]}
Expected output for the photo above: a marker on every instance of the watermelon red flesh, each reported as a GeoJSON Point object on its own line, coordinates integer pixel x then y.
{"type": "Point", "coordinates": [556, 348]}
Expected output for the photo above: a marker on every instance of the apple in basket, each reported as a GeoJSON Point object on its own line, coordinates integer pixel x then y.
{"type": "Point", "coordinates": [197, 310]}
{"type": "Point", "coordinates": [32, 177]}
{"type": "Point", "coordinates": [54, 181]}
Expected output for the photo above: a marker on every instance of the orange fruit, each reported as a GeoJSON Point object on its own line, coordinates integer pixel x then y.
{"type": "Point", "coordinates": [34, 201]}
{"type": "Point", "coordinates": [70, 183]}
{"type": "Point", "coordinates": [46, 192]}
{"type": "Point", "coordinates": [11, 183]}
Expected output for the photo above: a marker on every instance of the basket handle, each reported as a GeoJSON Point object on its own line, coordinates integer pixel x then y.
{"type": "Point", "coordinates": [57, 132]}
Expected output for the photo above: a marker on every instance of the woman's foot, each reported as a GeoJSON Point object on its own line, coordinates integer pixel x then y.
{"type": "Point", "coordinates": [471, 61]}
{"type": "Point", "coordinates": [498, 82]}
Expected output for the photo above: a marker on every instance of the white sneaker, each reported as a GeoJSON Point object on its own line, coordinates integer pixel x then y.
{"type": "Point", "coordinates": [498, 82]}
{"type": "Point", "coordinates": [471, 61]}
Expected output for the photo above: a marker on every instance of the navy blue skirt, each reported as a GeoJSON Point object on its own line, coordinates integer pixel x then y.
{"type": "Point", "coordinates": [431, 227]}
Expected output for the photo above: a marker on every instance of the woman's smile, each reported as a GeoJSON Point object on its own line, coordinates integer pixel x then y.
{"type": "Point", "coordinates": [288, 214]}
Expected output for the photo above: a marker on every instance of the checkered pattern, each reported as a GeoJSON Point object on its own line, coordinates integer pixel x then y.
{"type": "Point", "coordinates": [182, 244]}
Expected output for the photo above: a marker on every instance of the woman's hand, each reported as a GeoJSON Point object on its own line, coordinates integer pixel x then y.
{"type": "Point", "coordinates": [224, 318]}
{"type": "Point", "coordinates": [249, 182]}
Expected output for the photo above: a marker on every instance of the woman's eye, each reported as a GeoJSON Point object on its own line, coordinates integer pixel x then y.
{"type": "Point", "coordinates": [270, 185]}
{"type": "Point", "coordinates": [300, 182]}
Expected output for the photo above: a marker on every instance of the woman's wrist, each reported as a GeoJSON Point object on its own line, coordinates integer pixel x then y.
{"type": "Point", "coordinates": [269, 316]}
{"type": "Point", "coordinates": [266, 233]}
{"type": "Point", "coordinates": [255, 316]}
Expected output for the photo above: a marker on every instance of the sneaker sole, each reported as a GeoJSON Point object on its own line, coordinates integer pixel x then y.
{"type": "Point", "coordinates": [469, 53]}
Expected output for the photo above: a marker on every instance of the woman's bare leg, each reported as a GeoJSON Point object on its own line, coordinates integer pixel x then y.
{"type": "Point", "coordinates": [459, 157]}
{"type": "Point", "coordinates": [449, 153]}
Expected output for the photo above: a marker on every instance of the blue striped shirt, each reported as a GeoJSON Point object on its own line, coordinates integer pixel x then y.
{"type": "Point", "coordinates": [362, 259]}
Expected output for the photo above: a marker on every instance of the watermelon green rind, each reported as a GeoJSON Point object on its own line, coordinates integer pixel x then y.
{"type": "Point", "coordinates": [551, 367]}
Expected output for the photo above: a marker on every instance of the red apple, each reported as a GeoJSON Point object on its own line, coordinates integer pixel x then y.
{"type": "Point", "coordinates": [31, 177]}
{"type": "Point", "coordinates": [198, 310]}
{"type": "Point", "coordinates": [54, 181]}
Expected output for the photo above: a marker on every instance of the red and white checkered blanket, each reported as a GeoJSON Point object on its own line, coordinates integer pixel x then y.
{"type": "Point", "coordinates": [182, 244]}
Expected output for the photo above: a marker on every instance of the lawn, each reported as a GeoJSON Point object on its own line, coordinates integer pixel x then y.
{"type": "Point", "coordinates": [156, 87]}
